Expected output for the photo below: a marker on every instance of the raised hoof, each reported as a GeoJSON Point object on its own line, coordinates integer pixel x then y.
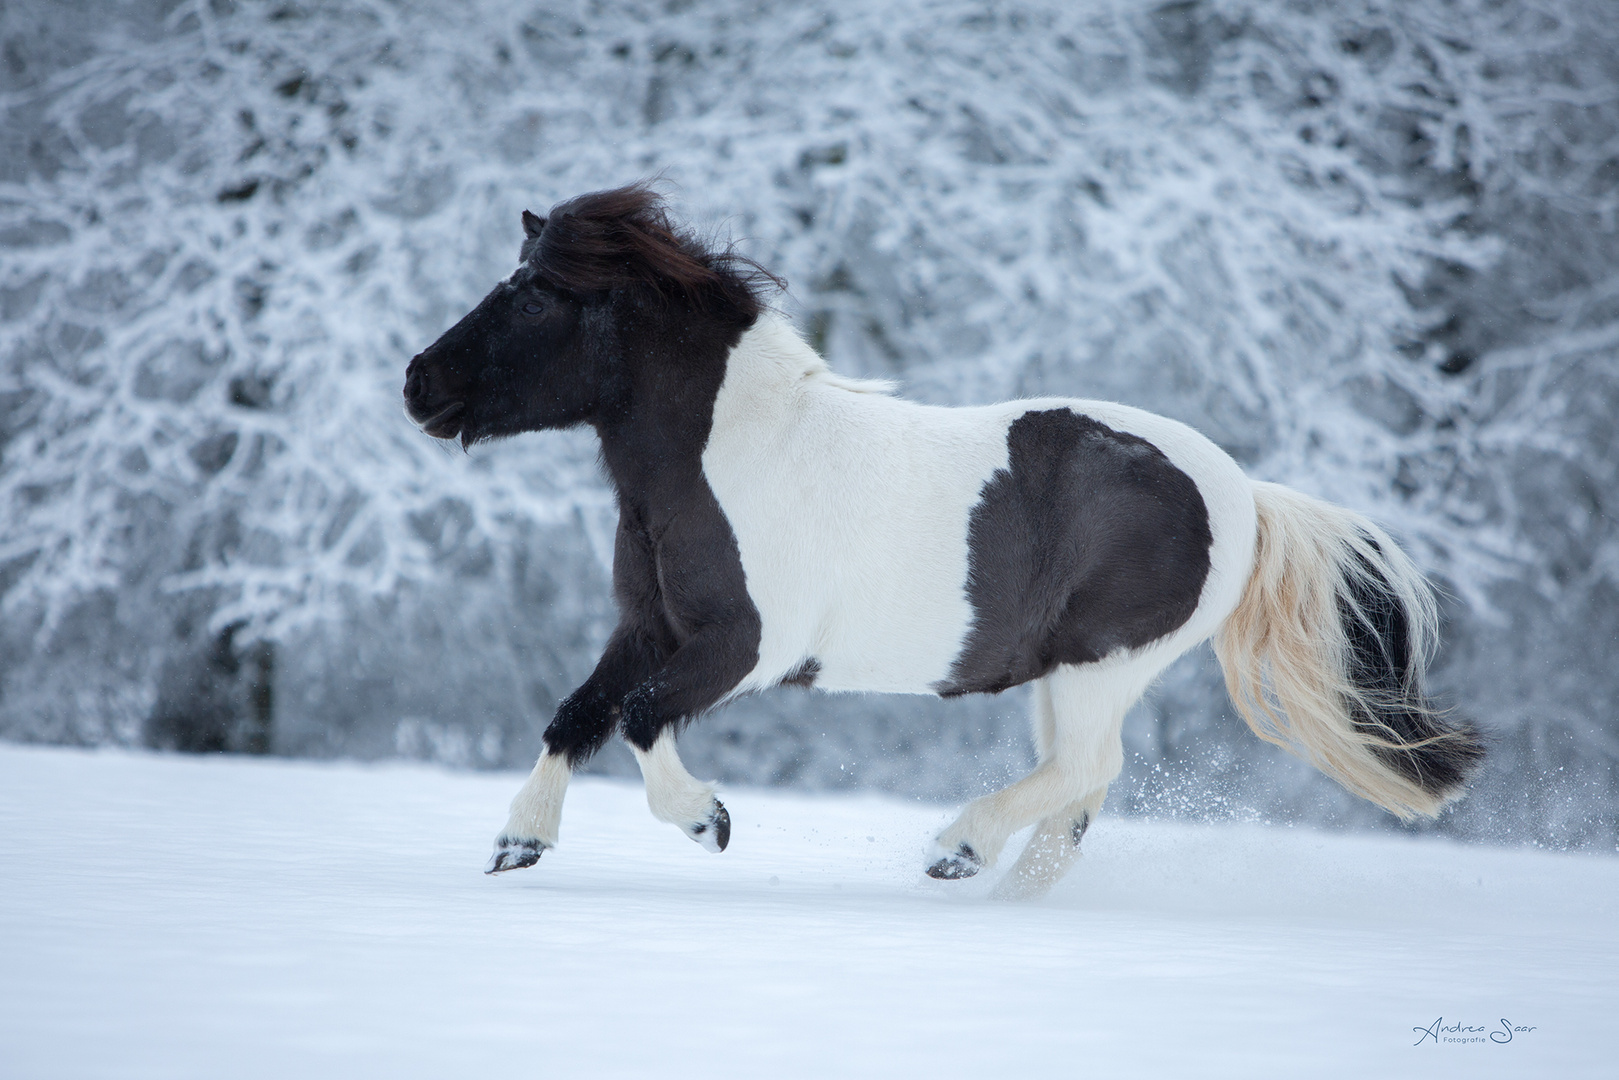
{"type": "Point", "coordinates": [960, 863]}
{"type": "Point", "coordinates": [513, 855]}
{"type": "Point", "coordinates": [715, 833]}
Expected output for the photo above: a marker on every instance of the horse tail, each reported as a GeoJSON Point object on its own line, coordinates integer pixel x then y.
{"type": "Point", "coordinates": [1325, 655]}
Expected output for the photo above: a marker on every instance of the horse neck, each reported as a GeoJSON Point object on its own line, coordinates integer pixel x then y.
{"type": "Point", "coordinates": [653, 440]}
{"type": "Point", "coordinates": [766, 370]}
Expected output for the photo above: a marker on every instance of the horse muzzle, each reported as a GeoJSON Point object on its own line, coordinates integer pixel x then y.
{"type": "Point", "coordinates": [441, 419]}
{"type": "Point", "coordinates": [444, 424]}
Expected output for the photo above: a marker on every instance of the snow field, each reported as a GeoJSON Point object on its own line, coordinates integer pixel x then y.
{"type": "Point", "coordinates": [209, 917]}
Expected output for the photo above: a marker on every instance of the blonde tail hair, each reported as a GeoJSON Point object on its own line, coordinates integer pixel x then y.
{"type": "Point", "coordinates": [1325, 656]}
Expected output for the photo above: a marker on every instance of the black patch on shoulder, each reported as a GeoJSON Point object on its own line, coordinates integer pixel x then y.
{"type": "Point", "coordinates": [1091, 540]}
{"type": "Point", "coordinates": [804, 674]}
{"type": "Point", "coordinates": [681, 582]}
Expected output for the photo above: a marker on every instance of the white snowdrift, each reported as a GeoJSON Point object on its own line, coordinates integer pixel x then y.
{"type": "Point", "coordinates": [180, 917]}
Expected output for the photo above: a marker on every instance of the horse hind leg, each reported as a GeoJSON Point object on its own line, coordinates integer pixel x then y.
{"type": "Point", "coordinates": [1078, 714]}
{"type": "Point", "coordinates": [1054, 848]}
{"type": "Point", "coordinates": [1051, 851]}
{"type": "Point", "coordinates": [977, 836]}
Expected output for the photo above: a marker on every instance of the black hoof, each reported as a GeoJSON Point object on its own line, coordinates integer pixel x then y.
{"type": "Point", "coordinates": [961, 863]}
{"type": "Point", "coordinates": [513, 855]}
{"type": "Point", "coordinates": [715, 833]}
{"type": "Point", "coordinates": [1077, 831]}
{"type": "Point", "coordinates": [722, 825]}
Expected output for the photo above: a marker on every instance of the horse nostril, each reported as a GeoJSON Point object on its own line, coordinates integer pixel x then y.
{"type": "Point", "coordinates": [415, 380]}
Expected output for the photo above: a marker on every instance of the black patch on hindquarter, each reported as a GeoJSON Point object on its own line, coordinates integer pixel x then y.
{"type": "Point", "coordinates": [1091, 540]}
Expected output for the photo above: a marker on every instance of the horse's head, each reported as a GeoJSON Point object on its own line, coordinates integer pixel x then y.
{"type": "Point", "coordinates": [516, 362]}
{"type": "Point", "coordinates": [605, 283]}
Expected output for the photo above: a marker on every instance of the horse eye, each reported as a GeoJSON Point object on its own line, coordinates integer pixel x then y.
{"type": "Point", "coordinates": [531, 308]}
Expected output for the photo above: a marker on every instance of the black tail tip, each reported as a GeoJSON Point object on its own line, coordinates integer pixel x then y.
{"type": "Point", "coordinates": [1445, 754]}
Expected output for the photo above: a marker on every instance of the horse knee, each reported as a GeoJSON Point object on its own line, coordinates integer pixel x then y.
{"type": "Point", "coordinates": [1089, 759]}
{"type": "Point", "coordinates": [580, 727]}
{"type": "Point", "coordinates": [1109, 762]}
{"type": "Point", "coordinates": [642, 718]}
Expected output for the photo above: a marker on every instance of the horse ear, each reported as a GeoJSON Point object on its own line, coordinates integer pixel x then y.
{"type": "Point", "coordinates": [532, 224]}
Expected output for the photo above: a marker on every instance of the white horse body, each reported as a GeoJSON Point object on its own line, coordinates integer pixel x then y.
{"type": "Point", "coordinates": [851, 510]}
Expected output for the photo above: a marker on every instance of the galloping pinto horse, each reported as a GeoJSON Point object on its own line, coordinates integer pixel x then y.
{"type": "Point", "coordinates": [779, 523]}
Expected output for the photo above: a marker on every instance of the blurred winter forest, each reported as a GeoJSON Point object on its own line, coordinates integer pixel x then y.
{"type": "Point", "coordinates": [1370, 246]}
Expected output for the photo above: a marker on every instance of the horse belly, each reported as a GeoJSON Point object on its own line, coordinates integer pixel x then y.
{"type": "Point", "coordinates": [855, 553]}
{"type": "Point", "coordinates": [899, 627]}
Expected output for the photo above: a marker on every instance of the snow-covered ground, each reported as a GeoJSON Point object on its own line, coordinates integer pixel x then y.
{"type": "Point", "coordinates": [184, 917]}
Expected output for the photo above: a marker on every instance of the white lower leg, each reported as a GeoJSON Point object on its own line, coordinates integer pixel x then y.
{"type": "Point", "coordinates": [987, 822]}
{"type": "Point", "coordinates": [672, 793]}
{"type": "Point", "coordinates": [1051, 851]}
{"type": "Point", "coordinates": [536, 810]}
{"type": "Point", "coordinates": [535, 816]}
{"type": "Point", "coordinates": [1077, 716]}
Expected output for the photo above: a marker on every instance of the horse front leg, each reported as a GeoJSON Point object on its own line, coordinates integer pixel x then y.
{"type": "Point", "coordinates": [697, 676]}
{"type": "Point", "coordinates": [676, 796]}
{"type": "Point", "coordinates": [582, 724]}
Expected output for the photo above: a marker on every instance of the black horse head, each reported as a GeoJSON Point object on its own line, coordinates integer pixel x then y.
{"type": "Point", "coordinates": [607, 286]}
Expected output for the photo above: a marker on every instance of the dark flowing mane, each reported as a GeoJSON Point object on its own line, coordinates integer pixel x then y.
{"type": "Point", "coordinates": [623, 238]}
